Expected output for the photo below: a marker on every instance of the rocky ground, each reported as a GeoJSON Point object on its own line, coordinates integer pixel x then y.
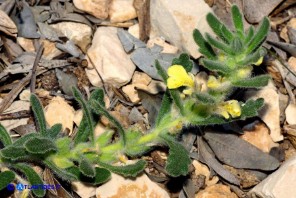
{"type": "Point", "coordinates": [113, 44]}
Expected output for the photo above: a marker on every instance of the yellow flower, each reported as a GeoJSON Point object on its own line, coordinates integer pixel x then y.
{"type": "Point", "coordinates": [213, 82]}
{"type": "Point", "coordinates": [231, 107]}
{"type": "Point", "coordinates": [259, 61]}
{"type": "Point", "coordinates": [178, 77]}
{"type": "Point", "coordinates": [244, 72]}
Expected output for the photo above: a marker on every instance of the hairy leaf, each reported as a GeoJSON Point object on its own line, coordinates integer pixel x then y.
{"type": "Point", "coordinates": [6, 177]}
{"type": "Point", "coordinates": [54, 130]}
{"type": "Point", "coordinates": [40, 145]}
{"type": "Point", "coordinates": [102, 175]}
{"type": "Point", "coordinates": [165, 107]}
{"type": "Point", "coordinates": [259, 36]}
{"type": "Point", "coordinates": [39, 114]}
{"type": "Point", "coordinates": [237, 19]}
{"type": "Point", "coordinates": [161, 71]}
{"type": "Point", "coordinates": [133, 148]}
{"type": "Point", "coordinates": [204, 98]}
{"type": "Point", "coordinates": [251, 108]}
{"type": "Point", "coordinates": [216, 26]}
{"type": "Point", "coordinates": [86, 112]}
{"type": "Point", "coordinates": [83, 131]}
{"type": "Point", "coordinates": [32, 177]}
{"type": "Point", "coordinates": [62, 173]}
{"type": "Point", "coordinates": [184, 60]}
{"type": "Point", "coordinates": [21, 141]}
{"type": "Point", "coordinates": [237, 45]}
{"type": "Point", "coordinates": [13, 152]}
{"type": "Point", "coordinates": [252, 58]}
{"type": "Point", "coordinates": [104, 138]}
{"type": "Point", "coordinates": [178, 160]}
{"type": "Point", "coordinates": [219, 45]}
{"type": "Point", "coordinates": [99, 109]}
{"type": "Point", "coordinates": [86, 168]}
{"type": "Point", "coordinates": [215, 66]}
{"type": "Point", "coordinates": [236, 152]}
{"type": "Point", "coordinates": [204, 47]}
{"type": "Point", "coordinates": [98, 95]}
{"type": "Point", "coordinates": [131, 170]}
{"type": "Point", "coordinates": [255, 82]}
{"type": "Point", "coordinates": [4, 136]}
{"type": "Point", "coordinates": [250, 34]}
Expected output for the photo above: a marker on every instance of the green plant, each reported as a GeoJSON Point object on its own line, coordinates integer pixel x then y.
{"type": "Point", "coordinates": [90, 159]}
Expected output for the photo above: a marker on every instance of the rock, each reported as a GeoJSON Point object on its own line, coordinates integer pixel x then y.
{"type": "Point", "coordinates": [122, 10]}
{"type": "Point", "coordinates": [270, 113]}
{"type": "Point", "coordinates": [141, 78]}
{"type": "Point", "coordinates": [135, 30]}
{"type": "Point", "coordinates": [59, 111]}
{"type": "Point", "coordinates": [16, 106]}
{"type": "Point", "coordinates": [50, 51]}
{"type": "Point", "coordinates": [97, 8]}
{"type": "Point", "coordinates": [7, 25]}
{"type": "Point", "coordinates": [255, 13]}
{"type": "Point", "coordinates": [201, 169]}
{"type": "Point", "coordinates": [284, 31]}
{"type": "Point", "coordinates": [83, 190]}
{"type": "Point", "coordinates": [110, 59]}
{"type": "Point", "coordinates": [175, 21]}
{"type": "Point", "coordinates": [280, 184]}
{"type": "Point", "coordinates": [291, 114]}
{"type": "Point", "coordinates": [217, 190]}
{"type": "Point", "coordinates": [259, 137]}
{"type": "Point", "coordinates": [79, 33]}
{"type": "Point", "coordinates": [292, 63]}
{"type": "Point", "coordinates": [167, 48]}
{"type": "Point", "coordinates": [141, 186]}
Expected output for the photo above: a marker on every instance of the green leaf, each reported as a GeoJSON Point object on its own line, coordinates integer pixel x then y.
{"type": "Point", "coordinates": [237, 19]}
{"type": "Point", "coordinates": [215, 66]}
{"type": "Point", "coordinates": [32, 177]}
{"type": "Point", "coordinates": [21, 141]}
{"type": "Point", "coordinates": [104, 138]}
{"type": "Point", "coordinates": [255, 82]}
{"type": "Point", "coordinates": [211, 120]}
{"type": "Point", "coordinates": [54, 130]}
{"type": "Point", "coordinates": [13, 152]}
{"type": "Point", "coordinates": [227, 34]}
{"type": "Point", "coordinates": [259, 36]}
{"type": "Point", "coordinates": [237, 45]}
{"type": "Point", "coordinates": [86, 112]}
{"type": "Point", "coordinates": [184, 60]}
{"type": "Point", "coordinates": [62, 173]}
{"type": "Point", "coordinates": [98, 95]}
{"type": "Point", "coordinates": [102, 175]}
{"type": "Point", "coordinates": [63, 145]}
{"type": "Point", "coordinates": [6, 177]}
{"type": "Point", "coordinates": [252, 58]}
{"type": "Point", "coordinates": [161, 71]}
{"type": "Point", "coordinates": [83, 131]}
{"type": "Point", "coordinates": [99, 109]}
{"type": "Point", "coordinates": [251, 108]}
{"type": "Point", "coordinates": [4, 136]}
{"type": "Point", "coordinates": [39, 114]}
{"type": "Point", "coordinates": [219, 45]}
{"type": "Point", "coordinates": [205, 98]}
{"type": "Point", "coordinates": [131, 170]}
{"type": "Point", "coordinates": [204, 47]}
{"type": "Point", "coordinates": [178, 161]}
{"type": "Point", "coordinates": [40, 145]}
{"type": "Point", "coordinates": [250, 34]}
{"type": "Point", "coordinates": [86, 167]}
{"type": "Point", "coordinates": [133, 148]}
{"type": "Point", "coordinates": [165, 107]}
{"type": "Point", "coordinates": [216, 26]}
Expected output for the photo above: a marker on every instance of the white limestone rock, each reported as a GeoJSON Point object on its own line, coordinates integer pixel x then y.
{"type": "Point", "coordinates": [122, 10]}
{"type": "Point", "coordinates": [97, 8]}
{"type": "Point", "coordinates": [175, 20]}
{"type": "Point", "coordinates": [280, 184]}
{"type": "Point", "coordinates": [109, 58]}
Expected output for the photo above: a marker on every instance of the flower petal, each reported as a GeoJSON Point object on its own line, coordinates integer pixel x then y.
{"type": "Point", "coordinates": [233, 108]}
{"type": "Point", "coordinates": [178, 77]}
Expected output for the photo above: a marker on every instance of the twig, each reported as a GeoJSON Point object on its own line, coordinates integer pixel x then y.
{"type": "Point", "coordinates": [15, 115]}
{"type": "Point", "coordinates": [34, 69]}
